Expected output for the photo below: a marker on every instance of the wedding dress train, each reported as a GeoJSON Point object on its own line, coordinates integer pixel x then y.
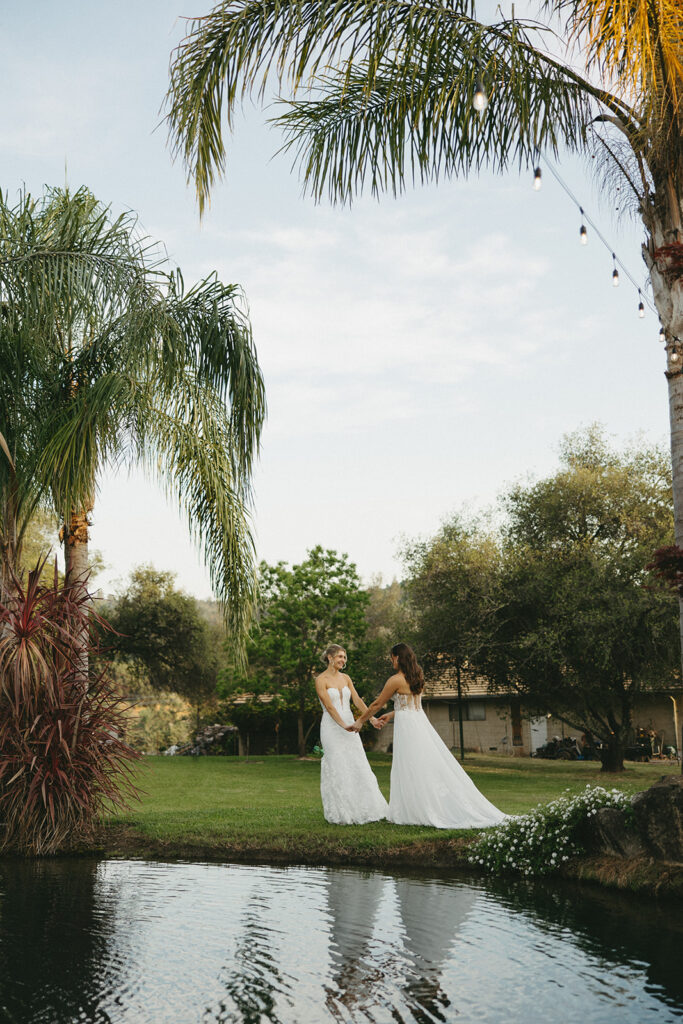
{"type": "Point", "coordinates": [428, 786]}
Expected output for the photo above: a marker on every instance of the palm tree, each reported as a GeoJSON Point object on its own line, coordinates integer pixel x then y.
{"type": "Point", "coordinates": [381, 92]}
{"type": "Point", "coordinates": [106, 359]}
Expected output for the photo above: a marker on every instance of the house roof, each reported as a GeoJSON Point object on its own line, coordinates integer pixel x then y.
{"type": "Point", "coordinates": [445, 687]}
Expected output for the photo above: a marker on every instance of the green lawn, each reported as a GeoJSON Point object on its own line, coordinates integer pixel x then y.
{"type": "Point", "coordinates": [270, 808]}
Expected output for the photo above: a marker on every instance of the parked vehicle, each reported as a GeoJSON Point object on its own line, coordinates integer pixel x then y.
{"type": "Point", "coordinates": [560, 749]}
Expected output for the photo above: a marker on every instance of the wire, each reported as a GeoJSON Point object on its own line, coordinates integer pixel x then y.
{"type": "Point", "coordinates": [640, 288]}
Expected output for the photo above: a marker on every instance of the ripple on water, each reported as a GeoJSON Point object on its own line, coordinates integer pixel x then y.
{"type": "Point", "coordinates": [137, 942]}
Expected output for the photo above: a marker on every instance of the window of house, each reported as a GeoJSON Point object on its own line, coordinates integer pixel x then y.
{"type": "Point", "coordinates": [472, 711]}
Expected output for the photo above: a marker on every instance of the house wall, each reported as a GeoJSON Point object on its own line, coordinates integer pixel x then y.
{"type": "Point", "coordinates": [492, 736]}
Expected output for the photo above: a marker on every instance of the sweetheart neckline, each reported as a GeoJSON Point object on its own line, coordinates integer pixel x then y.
{"type": "Point", "coordinates": [337, 688]}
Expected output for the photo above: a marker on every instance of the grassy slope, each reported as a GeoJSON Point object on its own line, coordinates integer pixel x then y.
{"type": "Point", "coordinates": [270, 808]}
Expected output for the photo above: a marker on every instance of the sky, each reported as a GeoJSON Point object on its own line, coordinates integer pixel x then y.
{"type": "Point", "coordinates": [420, 353]}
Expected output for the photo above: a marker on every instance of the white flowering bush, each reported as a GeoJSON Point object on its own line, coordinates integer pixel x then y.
{"type": "Point", "coordinates": [549, 835]}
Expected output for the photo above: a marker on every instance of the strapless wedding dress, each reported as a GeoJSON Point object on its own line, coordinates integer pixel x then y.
{"type": "Point", "coordinates": [349, 790]}
{"type": "Point", "coordinates": [428, 786]}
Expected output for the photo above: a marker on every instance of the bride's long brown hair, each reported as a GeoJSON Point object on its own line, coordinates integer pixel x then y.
{"type": "Point", "coordinates": [407, 663]}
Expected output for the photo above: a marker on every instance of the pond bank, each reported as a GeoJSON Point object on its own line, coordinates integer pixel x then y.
{"type": "Point", "coordinates": [636, 874]}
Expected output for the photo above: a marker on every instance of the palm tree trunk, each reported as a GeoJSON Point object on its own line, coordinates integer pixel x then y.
{"type": "Point", "coordinates": [668, 295]}
{"type": "Point", "coordinates": [76, 566]}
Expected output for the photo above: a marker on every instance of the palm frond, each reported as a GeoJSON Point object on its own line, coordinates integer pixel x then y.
{"type": "Point", "coordinates": [97, 343]}
{"type": "Point", "coordinates": [241, 45]}
{"type": "Point", "coordinates": [418, 121]}
{"type": "Point", "coordinates": [187, 441]}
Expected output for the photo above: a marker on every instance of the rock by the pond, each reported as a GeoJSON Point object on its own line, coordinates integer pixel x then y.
{"type": "Point", "coordinates": [659, 818]}
{"type": "Point", "coordinates": [608, 832]}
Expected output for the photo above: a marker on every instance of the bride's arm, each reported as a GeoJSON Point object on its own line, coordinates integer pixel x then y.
{"type": "Point", "coordinates": [321, 690]}
{"type": "Point", "coordinates": [390, 688]}
{"type": "Point", "coordinates": [358, 701]}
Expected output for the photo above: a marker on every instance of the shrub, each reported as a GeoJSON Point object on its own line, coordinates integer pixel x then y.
{"type": "Point", "coordinates": [540, 841]}
{"type": "Point", "coordinates": [62, 758]}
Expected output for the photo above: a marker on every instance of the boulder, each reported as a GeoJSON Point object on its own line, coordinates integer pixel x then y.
{"type": "Point", "coordinates": [659, 818]}
{"type": "Point", "coordinates": [608, 832]}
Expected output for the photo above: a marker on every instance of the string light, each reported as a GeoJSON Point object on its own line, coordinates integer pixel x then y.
{"type": "Point", "coordinates": [538, 179]}
{"type": "Point", "coordinates": [662, 335]}
{"type": "Point", "coordinates": [480, 100]}
{"type": "Point", "coordinates": [675, 356]}
{"type": "Point", "coordinates": [617, 264]}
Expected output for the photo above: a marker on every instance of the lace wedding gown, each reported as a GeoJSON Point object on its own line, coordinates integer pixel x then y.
{"type": "Point", "coordinates": [428, 786]}
{"type": "Point", "coordinates": [348, 788]}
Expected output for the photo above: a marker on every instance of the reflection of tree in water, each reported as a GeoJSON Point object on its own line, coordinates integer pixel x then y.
{"type": "Point", "coordinates": [55, 938]}
{"type": "Point", "coordinates": [431, 912]}
{"type": "Point", "coordinates": [608, 925]}
{"type": "Point", "coordinates": [352, 900]}
{"type": "Point", "coordinates": [254, 982]}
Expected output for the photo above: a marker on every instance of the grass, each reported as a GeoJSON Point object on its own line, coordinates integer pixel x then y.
{"type": "Point", "coordinates": [269, 809]}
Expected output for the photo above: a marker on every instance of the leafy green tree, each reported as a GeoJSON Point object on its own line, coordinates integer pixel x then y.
{"type": "Point", "coordinates": [302, 610]}
{"type": "Point", "coordinates": [161, 634]}
{"type": "Point", "coordinates": [390, 618]}
{"type": "Point", "coordinates": [384, 92]}
{"type": "Point", "coordinates": [453, 586]}
{"type": "Point", "coordinates": [581, 631]}
{"type": "Point", "coordinates": [106, 359]}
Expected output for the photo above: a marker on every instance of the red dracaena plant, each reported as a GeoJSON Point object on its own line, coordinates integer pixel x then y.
{"type": "Point", "coordinates": [62, 758]}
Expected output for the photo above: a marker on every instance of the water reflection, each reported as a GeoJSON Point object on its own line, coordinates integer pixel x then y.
{"type": "Point", "coordinates": [150, 943]}
{"type": "Point", "coordinates": [55, 935]}
{"type": "Point", "coordinates": [353, 899]}
{"type": "Point", "coordinates": [611, 926]}
{"type": "Point", "coordinates": [431, 915]}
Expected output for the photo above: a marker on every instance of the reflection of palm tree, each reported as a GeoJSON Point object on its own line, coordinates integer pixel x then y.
{"type": "Point", "coordinates": [352, 899]}
{"type": "Point", "coordinates": [54, 942]}
{"type": "Point", "coordinates": [431, 913]}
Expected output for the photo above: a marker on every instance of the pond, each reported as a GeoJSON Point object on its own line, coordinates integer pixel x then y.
{"type": "Point", "coordinates": [140, 942]}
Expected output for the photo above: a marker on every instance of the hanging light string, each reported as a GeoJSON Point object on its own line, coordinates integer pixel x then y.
{"type": "Point", "coordinates": [643, 298]}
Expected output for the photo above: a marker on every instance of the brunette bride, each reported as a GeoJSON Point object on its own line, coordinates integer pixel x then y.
{"type": "Point", "coordinates": [428, 786]}
{"type": "Point", "coordinates": [349, 790]}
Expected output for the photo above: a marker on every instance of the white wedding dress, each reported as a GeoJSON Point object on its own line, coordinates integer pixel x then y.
{"type": "Point", "coordinates": [349, 790]}
{"type": "Point", "coordinates": [428, 786]}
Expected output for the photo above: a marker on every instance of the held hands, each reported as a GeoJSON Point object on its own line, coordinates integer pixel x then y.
{"type": "Point", "coordinates": [356, 727]}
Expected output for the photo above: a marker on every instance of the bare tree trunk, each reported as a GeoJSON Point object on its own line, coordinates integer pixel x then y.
{"type": "Point", "coordinates": [301, 741]}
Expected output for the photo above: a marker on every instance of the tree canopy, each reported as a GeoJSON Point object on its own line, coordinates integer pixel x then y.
{"type": "Point", "coordinates": [302, 609]}
{"type": "Point", "coordinates": [107, 359]}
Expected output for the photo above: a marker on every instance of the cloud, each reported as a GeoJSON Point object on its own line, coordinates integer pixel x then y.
{"type": "Point", "coordinates": [380, 318]}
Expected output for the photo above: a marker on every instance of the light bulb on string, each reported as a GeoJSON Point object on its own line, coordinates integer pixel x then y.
{"type": "Point", "coordinates": [615, 272]}
{"type": "Point", "coordinates": [662, 335]}
{"type": "Point", "coordinates": [538, 179]}
{"type": "Point", "coordinates": [641, 306]}
{"type": "Point", "coordinates": [583, 233]}
{"type": "Point", "coordinates": [675, 356]}
{"type": "Point", "coordinates": [480, 100]}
